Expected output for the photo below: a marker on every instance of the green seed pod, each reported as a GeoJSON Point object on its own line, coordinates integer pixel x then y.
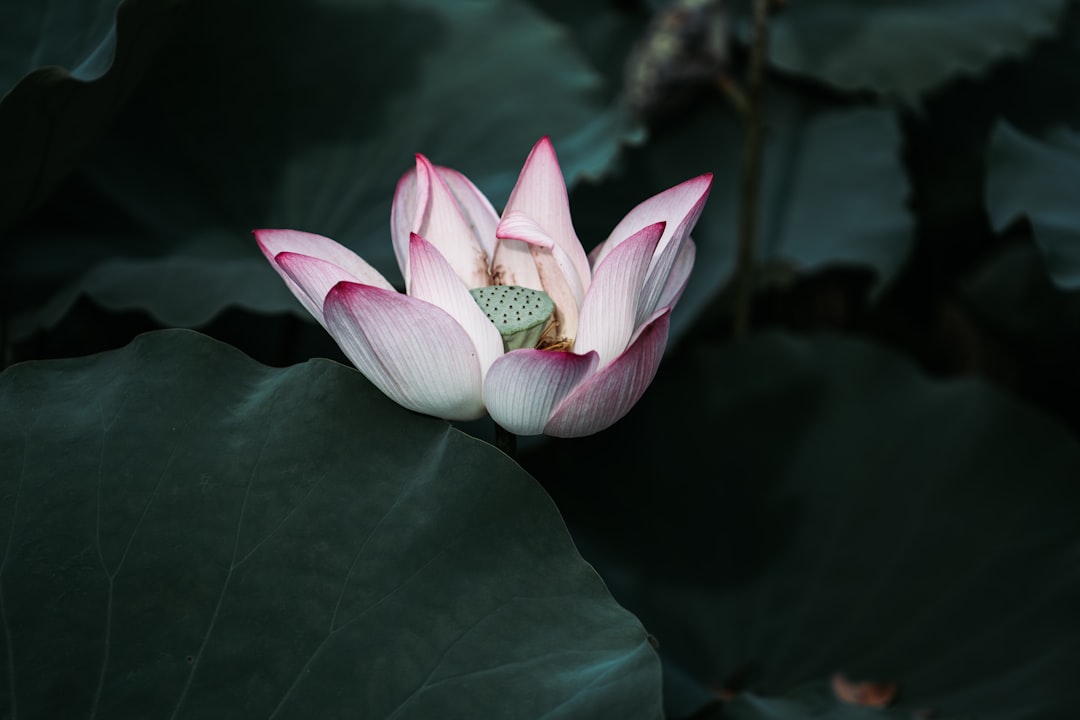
{"type": "Point", "coordinates": [520, 314]}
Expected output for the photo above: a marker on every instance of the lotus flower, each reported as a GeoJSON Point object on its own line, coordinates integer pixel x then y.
{"type": "Point", "coordinates": [504, 315]}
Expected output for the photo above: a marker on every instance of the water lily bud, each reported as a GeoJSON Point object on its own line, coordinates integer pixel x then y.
{"type": "Point", "coordinates": [520, 314]}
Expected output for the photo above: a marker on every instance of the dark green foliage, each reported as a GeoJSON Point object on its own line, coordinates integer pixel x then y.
{"type": "Point", "coordinates": [271, 115]}
{"type": "Point", "coordinates": [64, 76]}
{"type": "Point", "coordinates": [905, 48]}
{"type": "Point", "coordinates": [826, 509]}
{"type": "Point", "coordinates": [186, 533]}
{"type": "Point", "coordinates": [897, 501]}
{"type": "Point", "coordinates": [1038, 180]}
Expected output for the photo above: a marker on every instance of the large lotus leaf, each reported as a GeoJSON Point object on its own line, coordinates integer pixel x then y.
{"type": "Point", "coordinates": [66, 67]}
{"type": "Point", "coordinates": [904, 47]}
{"type": "Point", "coordinates": [304, 114]}
{"type": "Point", "coordinates": [794, 508]}
{"type": "Point", "coordinates": [189, 534]}
{"type": "Point", "coordinates": [834, 191]}
{"type": "Point", "coordinates": [1039, 180]}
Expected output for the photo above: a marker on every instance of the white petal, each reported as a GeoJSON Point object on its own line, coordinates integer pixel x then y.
{"type": "Point", "coordinates": [560, 282]}
{"type": "Point", "coordinates": [434, 281]}
{"type": "Point", "coordinates": [444, 225]}
{"type": "Point", "coordinates": [330, 263]}
{"type": "Point", "coordinates": [680, 274]}
{"type": "Point", "coordinates": [411, 350]}
{"type": "Point", "coordinates": [680, 207]}
{"type": "Point", "coordinates": [405, 217]}
{"type": "Point", "coordinates": [523, 386]}
{"type": "Point", "coordinates": [475, 206]}
{"type": "Point", "coordinates": [513, 264]}
{"type": "Point", "coordinates": [540, 194]}
{"type": "Point", "coordinates": [519, 226]}
{"type": "Point", "coordinates": [614, 389]}
{"type": "Point", "coordinates": [609, 314]}
{"type": "Point", "coordinates": [555, 270]}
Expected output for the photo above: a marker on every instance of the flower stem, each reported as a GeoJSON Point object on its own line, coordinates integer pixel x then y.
{"type": "Point", "coordinates": [750, 190]}
{"type": "Point", "coordinates": [506, 441]}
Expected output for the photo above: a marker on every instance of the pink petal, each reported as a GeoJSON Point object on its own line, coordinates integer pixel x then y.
{"type": "Point", "coordinates": [523, 386]}
{"type": "Point", "coordinates": [519, 226]}
{"type": "Point", "coordinates": [273, 242]}
{"type": "Point", "coordinates": [680, 274]}
{"type": "Point", "coordinates": [594, 254]}
{"type": "Point", "coordinates": [434, 281]}
{"type": "Point", "coordinates": [660, 271]}
{"type": "Point", "coordinates": [443, 224]}
{"type": "Point", "coordinates": [540, 194]}
{"type": "Point", "coordinates": [417, 354]}
{"type": "Point", "coordinates": [313, 279]}
{"type": "Point", "coordinates": [608, 315]}
{"type": "Point", "coordinates": [554, 269]}
{"type": "Point", "coordinates": [610, 393]}
{"type": "Point", "coordinates": [680, 207]}
{"type": "Point", "coordinates": [405, 216]}
{"type": "Point", "coordinates": [475, 206]}
{"type": "Point", "coordinates": [346, 265]}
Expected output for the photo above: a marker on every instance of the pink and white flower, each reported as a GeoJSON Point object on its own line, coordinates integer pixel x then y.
{"type": "Point", "coordinates": [433, 349]}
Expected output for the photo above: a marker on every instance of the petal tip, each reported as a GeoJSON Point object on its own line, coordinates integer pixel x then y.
{"type": "Point", "coordinates": [343, 288]}
{"type": "Point", "coordinates": [423, 165]}
{"type": "Point", "coordinates": [261, 234]}
{"type": "Point", "coordinates": [702, 179]}
{"type": "Point", "coordinates": [419, 243]}
{"type": "Point", "coordinates": [543, 145]}
{"type": "Point", "coordinates": [276, 240]}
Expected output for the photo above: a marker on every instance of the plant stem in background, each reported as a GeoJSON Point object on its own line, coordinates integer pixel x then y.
{"type": "Point", "coordinates": [750, 185]}
{"type": "Point", "coordinates": [506, 441]}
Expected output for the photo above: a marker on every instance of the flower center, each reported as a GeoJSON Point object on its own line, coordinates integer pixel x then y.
{"type": "Point", "coordinates": [520, 314]}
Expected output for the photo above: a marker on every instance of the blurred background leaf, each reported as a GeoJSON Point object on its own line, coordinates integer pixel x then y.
{"type": "Point", "coordinates": [776, 510]}
{"type": "Point", "coordinates": [302, 114]}
{"type": "Point", "coordinates": [1030, 329]}
{"type": "Point", "coordinates": [66, 69]}
{"type": "Point", "coordinates": [948, 137]}
{"type": "Point", "coordinates": [904, 48]}
{"type": "Point", "coordinates": [188, 532]}
{"type": "Point", "coordinates": [834, 194]}
{"type": "Point", "coordinates": [1038, 179]}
